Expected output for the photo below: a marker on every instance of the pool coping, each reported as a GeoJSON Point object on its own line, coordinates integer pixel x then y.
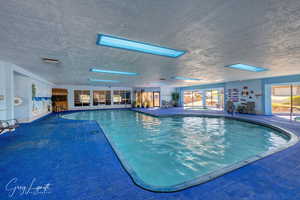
{"type": "Point", "coordinates": [203, 178]}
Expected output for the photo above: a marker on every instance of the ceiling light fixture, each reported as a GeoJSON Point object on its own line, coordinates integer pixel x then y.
{"type": "Point", "coordinates": [185, 78]}
{"type": "Point", "coordinates": [247, 67]}
{"type": "Point", "coordinates": [113, 72]}
{"type": "Point", "coordinates": [116, 42]}
{"type": "Point", "coordinates": [104, 81]}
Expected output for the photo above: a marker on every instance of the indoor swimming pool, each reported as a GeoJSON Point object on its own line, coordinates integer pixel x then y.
{"type": "Point", "coordinates": [172, 153]}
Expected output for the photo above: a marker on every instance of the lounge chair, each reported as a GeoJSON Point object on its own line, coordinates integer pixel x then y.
{"type": "Point", "coordinates": [166, 104]}
{"type": "Point", "coordinates": [8, 125]}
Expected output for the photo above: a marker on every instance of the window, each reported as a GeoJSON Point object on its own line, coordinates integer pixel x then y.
{"type": "Point", "coordinates": [192, 98]}
{"type": "Point", "coordinates": [215, 98]}
{"type": "Point", "coordinates": [81, 98]}
{"type": "Point", "coordinates": [286, 99]}
{"type": "Point", "coordinates": [101, 97]}
{"type": "Point", "coordinates": [207, 98]}
{"type": "Point", "coordinates": [122, 97]}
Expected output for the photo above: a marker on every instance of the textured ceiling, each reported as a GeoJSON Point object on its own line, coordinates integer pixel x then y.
{"type": "Point", "coordinates": [214, 32]}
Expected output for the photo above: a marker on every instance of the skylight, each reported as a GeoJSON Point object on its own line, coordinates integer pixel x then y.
{"type": "Point", "coordinates": [116, 42]}
{"type": "Point", "coordinates": [247, 67]}
{"type": "Point", "coordinates": [185, 78]}
{"type": "Point", "coordinates": [104, 81]}
{"type": "Point", "coordinates": [113, 72]}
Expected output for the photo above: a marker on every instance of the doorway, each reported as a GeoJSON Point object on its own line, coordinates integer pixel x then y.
{"type": "Point", "coordinates": [59, 99]}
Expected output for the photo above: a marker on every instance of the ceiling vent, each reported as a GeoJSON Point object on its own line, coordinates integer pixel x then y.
{"type": "Point", "coordinates": [51, 60]}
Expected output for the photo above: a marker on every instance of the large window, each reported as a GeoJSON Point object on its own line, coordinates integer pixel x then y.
{"type": "Point", "coordinates": [101, 97]}
{"type": "Point", "coordinates": [207, 98]}
{"type": "Point", "coordinates": [121, 97]}
{"type": "Point", "coordinates": [82, 98]}
{"type": "Point", "coordinates": [192, 98]}
{"type": "Point", "coordinates": [147, 99]}
{"type": "Point", "coordinates": [286, 99]}
{"type": "Point", "coordinates": [214, 98]}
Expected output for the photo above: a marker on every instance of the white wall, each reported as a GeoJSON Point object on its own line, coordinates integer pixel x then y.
{"type": "Point", "coordinates": [2, 93]}
{"type": "Point", "coordinates": [71, 89]}
{"type": "Point", "coordinates": [14, 80]}
{"type": "Point", "coordinates": [21, 90]}
{"type": "Point", "coordinates": [6, 89]}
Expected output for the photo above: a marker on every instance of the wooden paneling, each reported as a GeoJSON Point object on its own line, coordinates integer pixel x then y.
{"type": "Point", "coordinates": [59, 91]}
{"type": "Point", "coordinates": [59, 99]}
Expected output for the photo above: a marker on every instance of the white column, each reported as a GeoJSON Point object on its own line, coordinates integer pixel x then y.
{"type": "Point", "coordinates": [268, 99]}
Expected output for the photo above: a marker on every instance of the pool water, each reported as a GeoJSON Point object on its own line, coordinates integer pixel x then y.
{"type": "Point", "coordinates": [171, 153]}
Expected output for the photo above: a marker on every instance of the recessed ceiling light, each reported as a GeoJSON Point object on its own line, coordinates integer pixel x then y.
{"type": "Point", "coordinates": [113, 72]}
{"type": "Point", "coordinates": [116, 42]}
{"type": "Point", "coordinates": [185, 78]}
{"type": "Point", "coordinates": [105, 81]}
{"type": "Point", "coordinates": [247, 67]}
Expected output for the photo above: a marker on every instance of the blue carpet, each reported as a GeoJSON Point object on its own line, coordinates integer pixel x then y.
{"type": "Point", "coordinates": [77, 161]}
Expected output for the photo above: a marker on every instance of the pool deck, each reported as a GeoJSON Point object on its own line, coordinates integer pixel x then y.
{"type": "Point", "coordinates": [79, 163]}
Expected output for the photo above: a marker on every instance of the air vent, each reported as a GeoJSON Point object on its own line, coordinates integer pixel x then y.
{"type": "Point", "coordinates": [51, 60]}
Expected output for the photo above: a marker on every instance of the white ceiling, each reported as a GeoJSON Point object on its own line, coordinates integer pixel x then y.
{"type": "Point", "coordinates": [214, 32]}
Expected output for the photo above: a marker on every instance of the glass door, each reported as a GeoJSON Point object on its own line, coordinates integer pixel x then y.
{"type": "Point", "coordinates": [296, 99]}
{"type": "Point", "coordinates": [192, 99]}
{"type": "Point", "coordinates": [286, 100]}
{"type": "Point", "coordinates": [210, 98]}
{"type": "Point", "coordinates": [197, 99]}
{"type": "Point", "coordinates": [281, 99]}
{"type": "Point", "coordinates": [214, 99]}
{"type": "Point", "coordinates": [187, 99]}
{"type": "Point", "coordinates": [156, 99]}
{"type": "Point", "coordinates": [147, 99]}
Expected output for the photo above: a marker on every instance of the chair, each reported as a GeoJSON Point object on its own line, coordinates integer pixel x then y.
{"type": "Point", "coordinates": [8, 125]}
{"type": "Point", "coordinates": [165, 104]}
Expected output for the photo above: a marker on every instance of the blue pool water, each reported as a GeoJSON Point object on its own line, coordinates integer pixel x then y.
{"type": "Point", "coordinates": [171, 153]}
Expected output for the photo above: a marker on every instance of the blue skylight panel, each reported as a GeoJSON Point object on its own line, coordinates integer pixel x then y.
{"type": "Point", "coordinates": [103, 81]}
{"type": "Point", "coordinates": [116, 42]}
{"type": "Point", "coordinates": [247, 67]}
{"type": "Point", "coordinates": [185, 78]}
{"type": "Point", "coordinates": [113, 72]}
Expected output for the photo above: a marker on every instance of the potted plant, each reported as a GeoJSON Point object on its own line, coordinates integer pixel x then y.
{"type": "Point", "coordinates": [175, 98]}
{"type": "Point", "coordinates": [134, 104]}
